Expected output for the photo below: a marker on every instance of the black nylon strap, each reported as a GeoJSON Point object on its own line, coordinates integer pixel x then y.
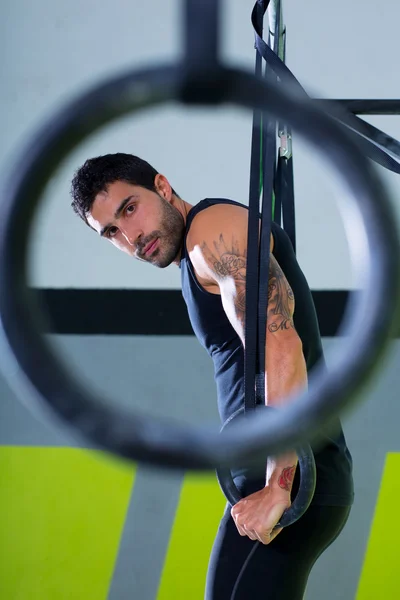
{"type": "Point", "coordinates": [278, 201]}
{"type": "Point", "coordinates": [284, 180]}
{"type": "Point", "coordinates": [285, 188]}
{"type": "Point", "coordinates": [251, 363]}
{"type": "Point", "coordinates": [380, 138]}
{"type": "Point", "coordinates": [264, 253]}
{"type": "Point", "coordinates": [284, 213]}
{"type": "Point", "coordinates": [265, 174]}
{"type": "Point", "coordinates": [269, 168]}
{"type": "Point", "coordinates": [369, 107]}
{"type": "Point", "coordinates": [257, 268]}
{"type": "Point", "coordinates": [375, 144]}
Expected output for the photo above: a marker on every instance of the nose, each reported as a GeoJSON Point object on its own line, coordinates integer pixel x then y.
{"type": "Point", "coordinates": [132, 237]}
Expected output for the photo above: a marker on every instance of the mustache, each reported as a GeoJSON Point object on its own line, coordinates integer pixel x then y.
{"type": "Point", "coordinates": [146, 241]}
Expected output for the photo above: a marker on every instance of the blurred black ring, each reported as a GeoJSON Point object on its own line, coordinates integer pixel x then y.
{"type": "Point", "coordinates": [370, 317]}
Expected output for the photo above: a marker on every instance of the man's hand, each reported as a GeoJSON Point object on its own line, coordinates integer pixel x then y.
{"type": "Point", "coordinates": [257, 514]}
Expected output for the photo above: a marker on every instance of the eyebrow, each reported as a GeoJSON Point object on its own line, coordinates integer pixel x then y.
{"type": "Point", "coordinates": [117, 213]}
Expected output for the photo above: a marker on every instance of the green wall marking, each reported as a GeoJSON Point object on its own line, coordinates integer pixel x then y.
{"type": "Point", "coordinates": [199, 512]}
{"type": "Point", "coordinates": [62, 512]}
{"type": "Point", "coordinates": [380, 573]}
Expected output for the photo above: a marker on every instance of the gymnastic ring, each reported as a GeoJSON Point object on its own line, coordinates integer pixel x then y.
{"type": "Point", "coordinates": [370, 317]}
{"type": "Point", "coordinates": [305, 493]}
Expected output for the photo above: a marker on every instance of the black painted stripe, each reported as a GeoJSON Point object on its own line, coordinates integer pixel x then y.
{"type": "Point", "coordinates": [150, 312]}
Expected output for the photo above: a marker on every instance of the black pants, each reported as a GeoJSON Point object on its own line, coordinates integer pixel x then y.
{"type": "Point", "coordinates": [278, 571]}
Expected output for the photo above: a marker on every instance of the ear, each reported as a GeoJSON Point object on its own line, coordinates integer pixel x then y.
{"type": "Point", "coordinates": [163, 187]}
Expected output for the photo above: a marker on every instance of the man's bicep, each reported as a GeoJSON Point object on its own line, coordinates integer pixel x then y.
{"type": "Point", "coordinates": [280, 303]}
{"type": "Point", "coordinates": [219, 256]}
{"type": "Point", "coordinates": [226, 260]}
{"type": "Point", "coordinates": [219, 259]}
{"type": "Point", "coordinates": [232, 283]}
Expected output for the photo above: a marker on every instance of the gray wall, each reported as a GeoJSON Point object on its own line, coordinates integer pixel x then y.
{"type": "Point", "coordinates": [53, 51]}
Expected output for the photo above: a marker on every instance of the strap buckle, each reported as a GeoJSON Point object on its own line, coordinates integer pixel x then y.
{"type": "Point", "coordinates": [285, 149]}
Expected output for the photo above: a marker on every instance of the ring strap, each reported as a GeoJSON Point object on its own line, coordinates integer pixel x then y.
{"type": "Point", "coordinates": [262, 174]}
{"type": "Point", "coordinates": [373, 142]}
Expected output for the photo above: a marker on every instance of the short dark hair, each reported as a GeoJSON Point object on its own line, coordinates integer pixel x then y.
{"type": "Point", "coordinates": [96, 174]}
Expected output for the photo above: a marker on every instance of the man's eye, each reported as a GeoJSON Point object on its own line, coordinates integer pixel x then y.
{"type": "Point", "coordinates": [130, 209]}
{"type": "Point", "coordinates": [112, 231]}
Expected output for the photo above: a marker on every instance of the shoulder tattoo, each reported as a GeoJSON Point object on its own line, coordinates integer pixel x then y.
{"type": "Point", "coordinates": [227, 261]}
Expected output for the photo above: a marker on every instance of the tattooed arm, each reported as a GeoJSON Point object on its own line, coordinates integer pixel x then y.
{"type": "Point", "coordinates": [217, 243]}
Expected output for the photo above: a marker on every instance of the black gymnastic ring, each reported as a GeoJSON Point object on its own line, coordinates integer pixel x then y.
{"type": "Point", "coordinates": [369, 319]}
{"type": "Point", "coordinates": [305, 493]}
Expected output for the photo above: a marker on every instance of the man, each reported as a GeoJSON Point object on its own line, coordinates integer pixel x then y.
{"type": "Point", "coordinates": [126, 201]}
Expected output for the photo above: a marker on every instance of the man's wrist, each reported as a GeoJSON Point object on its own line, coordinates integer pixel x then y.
{"type": "Point", "coordinates": [281, 471]}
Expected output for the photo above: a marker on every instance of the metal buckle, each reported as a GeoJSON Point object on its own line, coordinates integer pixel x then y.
{"type": "Point", "coordinates": [285, 149]}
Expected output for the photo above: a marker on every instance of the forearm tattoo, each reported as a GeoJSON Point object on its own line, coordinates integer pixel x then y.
{"type": "Point", "coordinates": [285, 480]}
{"type": "Point", "coordinates": [226, 260]}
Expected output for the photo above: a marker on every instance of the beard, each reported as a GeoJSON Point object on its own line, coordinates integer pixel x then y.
{"type": "Point", "coordinates": [169, 235]}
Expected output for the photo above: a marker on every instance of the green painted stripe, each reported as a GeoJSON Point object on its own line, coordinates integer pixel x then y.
{"type": "Point", "coordinates": [62, 512]}
{"type": "Point", "coordinates": [197, 518]}
{"type": "Point", "coordinates": [380, 573]}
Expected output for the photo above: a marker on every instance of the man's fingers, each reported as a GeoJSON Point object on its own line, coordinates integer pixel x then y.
{"type": "Point", "coordinates": [256, 531]}
{"type": "Point", "coordinates": [240, 528]}
{"type": "Point", "coordinates": [266, 537]}
{"type": "Point", "coordinates": [244, 532]}
{"type": "Point", "coordinates": [250, 533]}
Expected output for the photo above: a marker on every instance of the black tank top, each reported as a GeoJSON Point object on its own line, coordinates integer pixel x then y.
{"type": "Point", "coordinates": [216, 334]}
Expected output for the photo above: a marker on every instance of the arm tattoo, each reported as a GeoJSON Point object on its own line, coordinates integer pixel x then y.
{"type": "Point", "coordinates": [280, 299]}
{"type": "Point", "coordinates": [285, 480]}
{"type": "Point", "coordinates": [228, 261]}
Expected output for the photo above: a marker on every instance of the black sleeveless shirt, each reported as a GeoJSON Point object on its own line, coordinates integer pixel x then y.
{"type": "Point", "coordinates": [216, 334]}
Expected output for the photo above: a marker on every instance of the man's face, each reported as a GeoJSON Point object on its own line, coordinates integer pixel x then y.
{"type": "Point", "coordinates": [139, 222]}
